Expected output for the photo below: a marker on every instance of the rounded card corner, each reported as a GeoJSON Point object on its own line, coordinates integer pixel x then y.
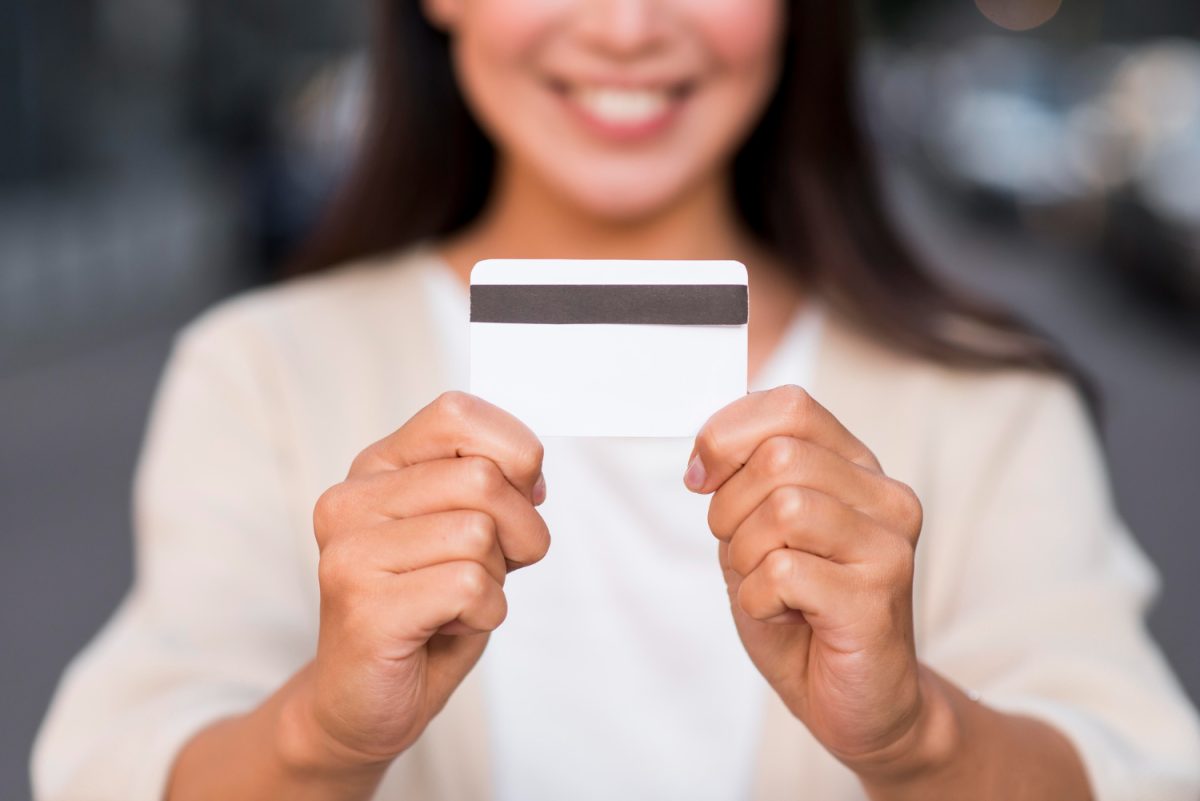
{"type": "Point", "coordinates": [481, 269]}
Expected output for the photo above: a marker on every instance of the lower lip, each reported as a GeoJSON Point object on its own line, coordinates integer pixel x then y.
{"type": "Point", "coordinates": [624, 131]}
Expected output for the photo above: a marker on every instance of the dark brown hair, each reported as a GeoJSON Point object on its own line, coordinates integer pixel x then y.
{"type": "Point", "coordinates": [804, 181]}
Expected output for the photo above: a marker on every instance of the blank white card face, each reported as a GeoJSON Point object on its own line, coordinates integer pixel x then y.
{"type": "Point", "coordinates": [609, 348]}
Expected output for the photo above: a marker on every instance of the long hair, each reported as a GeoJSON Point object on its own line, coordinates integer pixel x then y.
{"type": "Point", "coordinates": [804, 183]}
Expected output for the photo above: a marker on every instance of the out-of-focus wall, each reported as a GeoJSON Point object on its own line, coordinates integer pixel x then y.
{"type": "Point", "coordinates": [159, 154]}
{"type": "Point", "coordinates": [155, 156]}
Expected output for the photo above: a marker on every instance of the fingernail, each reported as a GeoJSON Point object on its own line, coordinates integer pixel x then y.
{"type": "Point", "coordinates": [694, 478]}
{"type": "Point", "coordinates": [539, 490]}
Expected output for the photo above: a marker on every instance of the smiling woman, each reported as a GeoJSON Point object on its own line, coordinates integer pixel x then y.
{"type": "Point", "coordinates": [322, 607]}
{"type": "Point", "coordinates": [754, 105]}
{"type": "Point", "coordinates": [654, 98]}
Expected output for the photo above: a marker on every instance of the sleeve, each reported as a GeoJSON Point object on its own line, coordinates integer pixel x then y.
{"type": "Point", "coordinates": [216, 618]}
{"type": "Point", "coordinates": [1046, 617]}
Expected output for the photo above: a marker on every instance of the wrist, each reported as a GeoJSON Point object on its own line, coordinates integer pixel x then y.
{"type": "Point", "coordinates": [928, 748]}
{"type": "Point", "coordinates": [306, 751]}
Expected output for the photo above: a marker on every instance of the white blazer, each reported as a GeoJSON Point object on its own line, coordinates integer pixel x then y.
{"type": "Point", "coordinates": [1029, 591]}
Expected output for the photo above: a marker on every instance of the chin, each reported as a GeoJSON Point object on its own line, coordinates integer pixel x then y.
{"type": "Point", "coordinates": [620, 210]}
{"type": "Point", "coordinates": [621, 202]}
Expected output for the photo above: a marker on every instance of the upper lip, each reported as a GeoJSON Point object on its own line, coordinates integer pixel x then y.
{"type": "Point", "coordinates": [669, 85]}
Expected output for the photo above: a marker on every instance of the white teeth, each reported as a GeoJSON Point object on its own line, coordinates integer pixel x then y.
{"type": "Point", "coordinates": [622, 106]}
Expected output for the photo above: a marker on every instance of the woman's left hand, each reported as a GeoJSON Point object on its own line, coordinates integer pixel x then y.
{"type": "Point", "coordinates": [817, 547]}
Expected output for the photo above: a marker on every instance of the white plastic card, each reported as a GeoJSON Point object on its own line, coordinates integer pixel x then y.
{"type": "Point", "coordinates": [609, 348]}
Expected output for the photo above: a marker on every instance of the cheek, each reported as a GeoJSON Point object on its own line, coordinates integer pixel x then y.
{"type": "Point", "coordinates": [744, 39]}
{"type": "Point", "coordinates": [495, 44]}
{"type": "Point", "coordinates": [738, 33]}
{"type": "Point", "coordinates": [493, 38]}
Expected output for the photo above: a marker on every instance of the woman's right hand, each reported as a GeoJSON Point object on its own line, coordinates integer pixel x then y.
{"type": "Point", "coordinates": [415, 545]}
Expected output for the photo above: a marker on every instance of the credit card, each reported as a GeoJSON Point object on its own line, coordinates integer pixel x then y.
{"type": "Point", "coordinates": [609, 348]}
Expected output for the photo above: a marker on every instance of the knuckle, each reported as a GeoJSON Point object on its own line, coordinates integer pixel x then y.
{"type": "Point", "coordinates": [484, 478]}
{"type": "Point", "coordinates": [908, 509]}
{"type": "Point", "coordinates": [795, 400]}
{"type": "Point", "coordinates": [532, 547]}
{"type": "Point", "coordinates": [541, 545]}
{"type": "Point", "coordinates": [787, 504]}
{"type": "Point", "coordinates": [779, 454]}
{"type": "Point", "coordinates": [497, 612]}
{"type": "Point", "coordinates": [740, 556]}
{"type": "Point", "coordinates": [471, 580]}
{"type": "Point", "coordinates": [478, 531]}
{"type": "Point", "coordinates": [363, 458]}
{"type": "Point", "coordinates": [455, 405]}
{"type": "Point", "coordinates": [779, 567]}
{"type": "Point", "coordinates": [329, 509]}
{"type": "Point", "coordinates": [496, 615]}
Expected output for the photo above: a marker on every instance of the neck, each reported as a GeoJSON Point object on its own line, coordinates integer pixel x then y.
{"type": "Point", "coordinates": [527, 219]}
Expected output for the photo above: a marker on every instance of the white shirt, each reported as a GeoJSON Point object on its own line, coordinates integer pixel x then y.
{"type": "Point", "coordinates": [618, 672]}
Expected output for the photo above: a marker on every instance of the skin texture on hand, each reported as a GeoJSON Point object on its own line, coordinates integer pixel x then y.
{"type": "Point", "coordinates": [817, 546]}
{"type": "Point", "coordinates": [415, 545]}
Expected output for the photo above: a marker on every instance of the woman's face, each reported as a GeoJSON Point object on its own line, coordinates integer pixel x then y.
{"type": "Point", "coordinates": [618, 106]}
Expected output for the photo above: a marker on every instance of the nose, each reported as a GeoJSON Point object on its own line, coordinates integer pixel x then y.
{"type": "Point", "coordinates": [623, 27]}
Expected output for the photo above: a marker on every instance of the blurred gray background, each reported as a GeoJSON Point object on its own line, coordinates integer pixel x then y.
{"type": "Point", "coordinates": [157, 155]}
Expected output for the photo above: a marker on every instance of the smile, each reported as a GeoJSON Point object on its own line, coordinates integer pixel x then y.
{"type": "Point", "coordinates": [624, 113]}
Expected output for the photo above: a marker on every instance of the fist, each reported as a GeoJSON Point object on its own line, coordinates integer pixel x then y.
{"type": "Point", "coordinates": [817, 548]}
{"type": "Point", "coordinates": [415, 545]}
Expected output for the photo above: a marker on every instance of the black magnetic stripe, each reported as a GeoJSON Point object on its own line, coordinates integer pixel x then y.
{"type": "Point", "coordinates": [641, 304]}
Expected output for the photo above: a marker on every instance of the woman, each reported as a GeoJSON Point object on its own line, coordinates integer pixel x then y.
{"type": "Point", "coordinates": [1005, 658]}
